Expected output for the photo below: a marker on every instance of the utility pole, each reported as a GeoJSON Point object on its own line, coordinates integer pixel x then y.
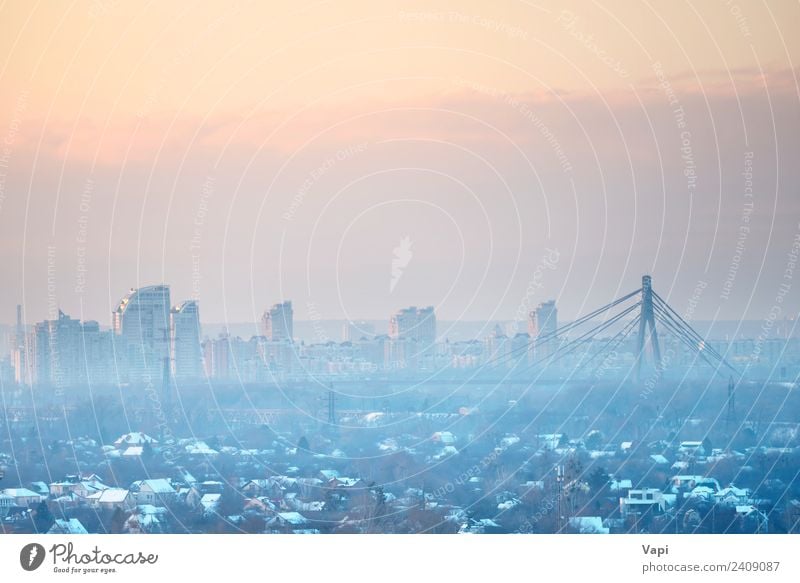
{"type": "Point", "coordinates": [559, 497]}
{"type": "Point", "coordinates": [331, 406]}
{"type": "Point", "coordinates": [730, 418]}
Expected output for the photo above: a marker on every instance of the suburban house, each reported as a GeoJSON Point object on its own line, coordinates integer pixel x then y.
{"type": "Point", "coordinates": [70, 526]}
{"type": "Point", "coordinates": [642, 501]}
{"type": "Point", "coordinates": [6, 502]}
{"type": "Point", "coordinates": [111, 498]}
{"type": "Point", "coordinates": [23, 496]}
{"type": "Point", "coordinates": [157, 492]}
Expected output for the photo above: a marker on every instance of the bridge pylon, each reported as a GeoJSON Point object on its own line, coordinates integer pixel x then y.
{"type": "Point", "coordinates": [647, 321]}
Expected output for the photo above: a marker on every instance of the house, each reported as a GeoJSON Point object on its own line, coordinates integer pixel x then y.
{"type": "Point", "coordinates": [23, 496]}
{"type": "Point", "coordinates": [112, 498]}
{"type": "Point", "coordinates": [551, 441]}
{"type": "Point", "coordinates": [642, 501]}
{"type": "Point", "coordinates": [135, 438]}
{"type": "Point", "coordinates": [732, 496]}
{"type": "Point", "coordinates": [87, 488]}
{"type": "Point", "coordinates": [309, 487]}
{"type": "Point", "coordinates": [702, 493]}
{"type": "Point", "coordinates": [69, 526]}
{"type": "Point", "coordinates": [287, 521]}
{"type": "Point", "coordinates": [328, 475]}
{"type": "Point", "coordinates": [210, 503]}
{"type": "Point", "coordinates": [199, 448]}
{"type": "Point", "coordinates": [480, 526]}
{"type": "Point", "coordinates": [692, 448]}
{"type": "Point", "coordinates": [196, 493]}
{"type": "Point", "coordinates": [620, 486]}
{"type": "Point", "coordinates": [588, 525]}
{"type": "Point", "coordinates": [61, 488]}
{"type": "Point", "coordinates": [40, 488]}
{"type": "Point", "coordinates": [444, 437]}
{"type": "Point", "coordinates": [146, 518]}
{"type": "Point", "coordinates": [154, 491]}
{"type": "Point", "coordinates": [6, 502]}
{"type": "Point", "coordinates": [752, 520]}
{"type": "Point", "coordinates": [687, 483]}
{"type": "Point", "coordinates": [254, 488]}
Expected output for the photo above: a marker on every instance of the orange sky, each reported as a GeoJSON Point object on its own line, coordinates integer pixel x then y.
{"type": "Point", "coordinates": [102, 60]}
{"type": "Point", "coordinates": [467, 113]}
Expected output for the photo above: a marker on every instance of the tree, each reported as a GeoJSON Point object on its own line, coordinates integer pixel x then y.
{"type": "Point", "coordinates": [43, 518]}
{"type": "Point", "coordinates": [594, 440]}
{"type": "Point", "coordinates": [118, 521]}
{"type": "Point", "coordinates": [302, 445]}
{"type": "Point", "coordinates": [598, 478]}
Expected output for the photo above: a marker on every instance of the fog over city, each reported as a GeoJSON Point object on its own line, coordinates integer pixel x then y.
{"type": "Point", "coordinates": [348, 268]}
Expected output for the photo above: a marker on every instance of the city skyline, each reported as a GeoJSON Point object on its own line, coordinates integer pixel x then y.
{"type": "Point", "coordinates": [568, 168]}
{"type": "Point", "coordinates": [401, 267]}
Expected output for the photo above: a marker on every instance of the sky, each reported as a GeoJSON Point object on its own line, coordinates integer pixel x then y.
{"type": "Point", "coordinates": [358, 157]}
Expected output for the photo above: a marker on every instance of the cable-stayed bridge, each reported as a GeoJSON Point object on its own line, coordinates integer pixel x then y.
{"type": "Point", "coordinates": [591, 338]}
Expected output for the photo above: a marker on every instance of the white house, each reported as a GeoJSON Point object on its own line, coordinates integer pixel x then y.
{"type": "Point", "coordinates": [588, 525]}
{"type": "Point", "coordinates": [444, 437]}
{"type": "Point", "coordinates": [641, 501]}
{"type": "Point", "coordinates": [111, 498]}
{"type": "Point", "coordinates": [23, 496]}
{"type": "Point", "coordinates": [155, 491]}
{"type": "Point", "coordinates": [146, 519]}
{"type": "Point", "coordinates": [135, 438]}
{"type": "Point", "coordinates": [732, 496]}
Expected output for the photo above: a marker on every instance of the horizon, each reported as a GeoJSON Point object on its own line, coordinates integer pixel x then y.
{"type": "Point", "coordinates": [384, 155]}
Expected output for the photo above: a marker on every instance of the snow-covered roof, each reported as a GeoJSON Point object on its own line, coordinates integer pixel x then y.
{"type": "Point", "coordinates": [293, 517]}
{"type": "Point", "coordinates": [134, 438]}
{"type": "Point", "coordinates": [733, 491]}
{"type": "Point", "coordinates": [444, 437]}
{"type": "Point", "coordinates": [113, 495]}
{"type": "Point", "coordinates": [70, 526]}
{"type": "Point", "coordinates": [509, 440]}
{"type": "Point", "coordinates": [210, 501]}
{"type": "Point", "coordinates": [588, 524]}
{"type": "Point", "coordinates": [20, 493]}
{"type": "Point", "coordinates": [199, 448]}
{"type": "Point", "coordinates": [158, 486]}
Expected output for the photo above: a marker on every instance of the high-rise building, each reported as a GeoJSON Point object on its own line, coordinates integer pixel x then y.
{"type": "Point", "coordinates": [498, 347]}
{"type": "Point", "coordinates": [412, 334]}
{"type": "Point", "coordinates": [278, 322]}
{"type": "Point", "coordinates": [141, 326]}
{"type": "Point", "coordinates": [97, 353]}
{"type": "Point", "coordinates": [543, 320]}
{"type": "Point", "coordinates": [218, 357]}
{"type": "Point", "coordinates": [19, 352]}
{"type": "Point", "coordinates": [58, 358]}
{"type": "Point", "coordinates": [187, 358]}
{"type": "Point", "coordinates": [418, 324]}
